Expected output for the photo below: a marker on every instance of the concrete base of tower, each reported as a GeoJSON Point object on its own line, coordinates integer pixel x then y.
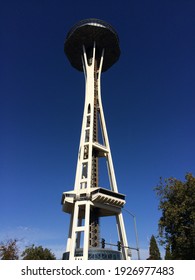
{"type": "Point", "coordinates": [96, 254]}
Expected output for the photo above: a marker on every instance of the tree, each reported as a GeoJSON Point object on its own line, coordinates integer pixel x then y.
{"type": "Point", "coordinates": [37, 253]}
{"type": "Point", "coordinates": [177, 223]}
{"type": "Point", "coordinates": [168, 255]}
{"type": "Point", "coordinates": [9, 250]}
{"type": "Point", "coordinates": [154, 250]}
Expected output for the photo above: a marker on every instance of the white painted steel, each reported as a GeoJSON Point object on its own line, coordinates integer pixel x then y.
{"type": "Point", "coordinates": [83, 186]}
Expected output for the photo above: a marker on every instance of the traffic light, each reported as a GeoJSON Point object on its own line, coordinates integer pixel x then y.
{"type": "Point", "coordinates": [103, 243]}
{"type": "Point", "coordinates": [119, 245]}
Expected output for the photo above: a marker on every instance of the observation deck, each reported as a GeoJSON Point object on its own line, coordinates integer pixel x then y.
{"type": "Point", "coordinates": [85, 33]}
{"type": "Point", "coordinates": [111, 202]}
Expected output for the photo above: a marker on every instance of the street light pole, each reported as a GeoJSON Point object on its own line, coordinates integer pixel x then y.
{"type": "Point", "coordinates": [136, 234]}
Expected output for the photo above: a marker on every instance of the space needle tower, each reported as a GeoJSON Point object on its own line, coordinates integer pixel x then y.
{"type": "Point", "coordinates": [92, 46]}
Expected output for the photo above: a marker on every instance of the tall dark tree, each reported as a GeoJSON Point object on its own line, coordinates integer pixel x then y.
{"type": "Point", "coordinates": [9, 250]}
{"type": "Point", "coordinates": [154, 250]}
{"type": "Point", "coordinates": [37, 253]}
{"type": "Point", "coordinates": [177, 223]}
{"type": "Point", "coordinates": [168, 255]}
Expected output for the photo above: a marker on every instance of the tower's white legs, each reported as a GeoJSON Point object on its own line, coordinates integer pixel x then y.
{"type": "Point", "coordinates": [85, 201]}
{"type": "Point", "coordinates": [122, 235]}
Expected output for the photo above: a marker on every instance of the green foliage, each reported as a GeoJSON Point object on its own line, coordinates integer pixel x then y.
{"type": "Point", "coordinates": [9, 250]}
{"type": "Point", "coordinates": [168, 255]}
{"type": "Point", "coordinates": [154, 250]}
{"type": "Point", "coordinates": [37, 253]}
{"type": "Point", "coordinates": [177, 223]}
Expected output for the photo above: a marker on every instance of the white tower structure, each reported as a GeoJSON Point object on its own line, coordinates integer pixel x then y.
{"type": "Point", "coordinates": [92, 46]}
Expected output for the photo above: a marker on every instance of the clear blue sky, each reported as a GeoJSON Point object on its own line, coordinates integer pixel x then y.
{"type": "Point", "coordinates": [148, 99]}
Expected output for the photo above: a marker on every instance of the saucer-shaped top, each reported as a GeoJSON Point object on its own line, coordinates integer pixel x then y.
{"type": "Point", "coordinates": [86, 32]}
